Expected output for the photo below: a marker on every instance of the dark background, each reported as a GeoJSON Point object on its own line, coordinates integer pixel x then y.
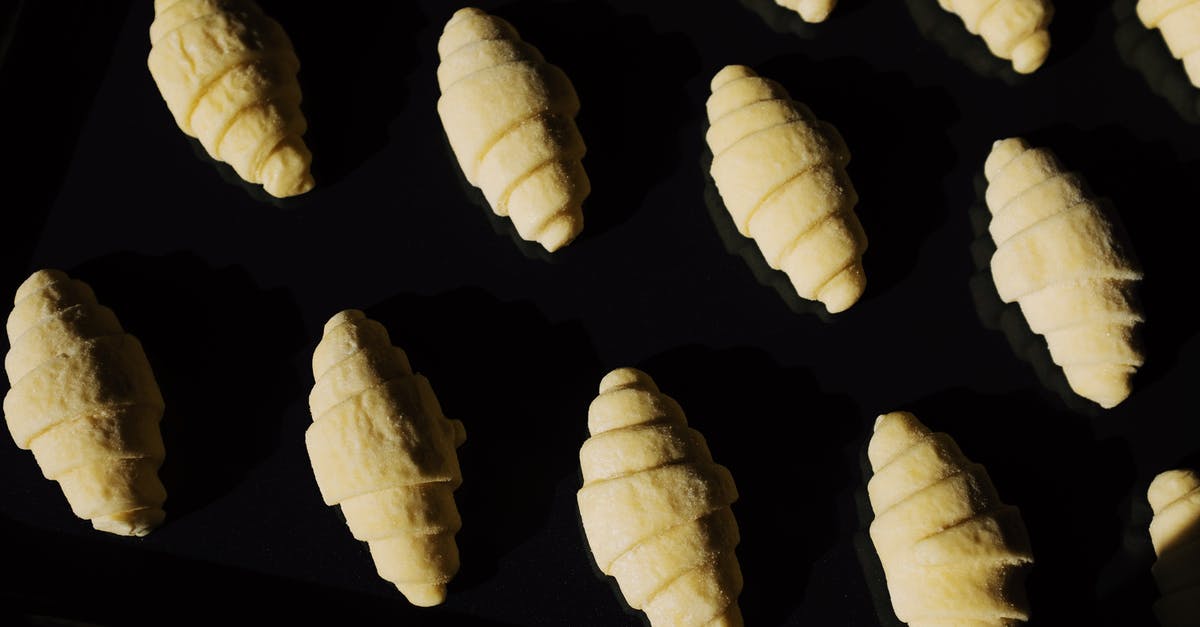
{"type": "Point", "coordinates": [228, 294]}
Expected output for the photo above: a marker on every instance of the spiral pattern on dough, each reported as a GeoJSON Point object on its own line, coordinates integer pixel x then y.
{"type": "Point", "coordinates": [1179, 22]}
{"type": "Point", "coordinates": [381, 447]}
{"type": "Point", "coordinates": [1175, 531]}
{"type": "Point", "coordinates": [228, 74]}
{"type": "Point", "coordinates": [510, 119]}
{"type": "Point", "coordinates": [1016, 30]}
{"type": "Point", "coordinates": [1057, 256]}
{"type": "Point", "coordinates": [84, 399]}
{"type": "Point", "coordinates": [782, 175]}
{"type": "Point", "coordinates": [811, 11]}
{"type": "Point", "coordinates": [952, 552]}
{"type": "Point", "coordinates": [655, 508]}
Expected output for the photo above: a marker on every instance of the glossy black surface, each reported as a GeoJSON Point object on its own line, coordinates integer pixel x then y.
{"type": "Point", "coordinates": [228, 294]}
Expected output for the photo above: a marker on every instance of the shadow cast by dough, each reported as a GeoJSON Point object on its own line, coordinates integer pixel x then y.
{"type": "Point", "coordinates": [884, 142]}
{"type": "Point", "coordinates": [1126, 590]}
{"type": "Point", "coordinates": [1145, 182]}
{"type": "Point", "coordinates": [782, 20]}
{"type": "Point", "coordinates": [997, 315]}
{"type": "Point", "coordinates": [253, 190]}
{"type": "Point", "coordinates": [509, 375]}
{"type": "Point", "coordinates": [1016, 436]}
{"type": "Point", "coordinates": [947, 31]}
{"type": "Point", "coordinates": [353, 75]}
{"type": "Point", "coordinates": [222, 351]}
{"type": "Point", "coordinates": [45, 124]}
{"type": "Point", "coordinates": [780, 436]}
{"type": "Point", "coordinates": [1145, 51]}
{"type": "Point", "coordinates": [634, 101]}
{"type": "Point", "coordinates": [739, 245]}
{"type": "Point", "coordinates": [171, 589]}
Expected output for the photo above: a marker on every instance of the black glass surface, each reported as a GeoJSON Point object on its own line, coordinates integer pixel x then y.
{"type": "Point", "coordinates": [228, 292]}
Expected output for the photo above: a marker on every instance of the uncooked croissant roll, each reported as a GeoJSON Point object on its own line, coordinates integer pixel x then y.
{"type": "Point", "coordinates": [953, 553]}
{"type": "Point", "coordinates": [782, 175]}
{"type": "Point", "coordinates": [1179, 21]}
{"type": "Point", "coordinates": [1057, 256]}
{"type": "Point", "coordinates": [510, 119]}
{"type": "Point", "coordinates": [811, 10]}
{"type": "Point", "coordinates": [381, 447]}
{"type": "Point", "coordinates": [1013, 29]}
{"type": "Point", "coordinates": [655, 508]}
{"type": "Point", "coordinates": [1175, 531]}
{"type": "Point", "coordinates": [84, 399]}
{"type": "Point", "coordinates": [228, 74]}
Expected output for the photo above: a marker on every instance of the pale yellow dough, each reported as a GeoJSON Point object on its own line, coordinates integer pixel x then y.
{"type": "Point", "coordinates": [782, 176]}
{"type": "Point", "coordinates": [510, 119]}
{"type": "Point", "coordinates": [84, 399]}
{"type": "Point", "coordinates": [812, 11]}
{"type": "Point", "coordinates": [1015, 30]}
{"type": "Point", "coordinates": [1175, 531]}
{"type": "Point", "coordinates": [655, 508]}
{"type": "Point", "coordinates": [228, 74]}
{"type": "Point", "coordinates": [1179, 21]}
{"type": "Point", "coordinates": [1056, 255]}
{"type": "Point", "coordinates": [953, 553]}
{"type": "Point", "coordinates": [382, 449]}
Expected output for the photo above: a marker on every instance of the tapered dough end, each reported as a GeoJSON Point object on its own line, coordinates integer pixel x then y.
{"type": "Point", "coordinates": [844, 289]}
{"type": "Point", "coordinates": [1030, 54]}
{"type": "Point", "coordinates": [1003, 151]}
{"type": "Point", "coordinates": [464, 13]}
{"type": "Point", "coordinates": [894, 432]}
{"type": "Point", "coordinates": [423, 594]}
{"type": "Point", "coordinates": [138, 523]}
{"type": "Point", "coordinates": [1105, 384]}
{"type": "Point", "coordinates": [560, 231]}
{"type": "Point", "coordinates": [286, 172]}
{"type": "Point", "coordinates": [1169, 486]}
{"type": "Point", "coordinates": [37, 281]}
{"type": "Point", "coordinates": [814, 11]}
{"type": "Point", "coordinates": [627, 377]}
{"type": "Point", "coordinates": [342, 317]}
{"type": "Point", "coordinates": [730, 73]}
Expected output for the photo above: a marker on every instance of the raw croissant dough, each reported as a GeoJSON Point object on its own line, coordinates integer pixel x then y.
{"type": "Point", "coordinates": [1175, 531]}
{"type": "Point", "coordinates": [510, 119]}
{"type": "Point", "coordinates": [781, 174]}
{"type": "Point", "coordinates": [1013, 29]}
{"type": "Point", "coordinates": [1179, 21]}
{"type": "Point", "coordinates": [228, 74]}
{"type": "Point", "coordinates": [810, 10]}
{"type": "Point", "coordinates": [1056, 255]}
{"type": "Point", "coordinates": [953, 553]}
{"type": "Point", "coordinates": [381, 447]}
{"type": "Point", "coordinates": [84, 399]}
{"type": "Point", "coordinates": [655, 507]}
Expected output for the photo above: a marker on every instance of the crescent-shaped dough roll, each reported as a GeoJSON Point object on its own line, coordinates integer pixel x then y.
{"type": "Point", "coordinates": [952, 552]}
{"type": "Point", "coordinates": [382, 449]}
{"type": "Point", "coordinates": [1175, 531]}
{"type": "Point", "coordinates": [510, 119]}
{"type": "Point", "coordinates": [1179, 22]}
{"type": "Point", "coordinates": [782, 175]}
{"type": "Point", "coordinates": [1057, 256]}
{"type": "Point", "coordinates": [228, 74]}
{"type": "Point", "coordinates": [655, 508]}
{"type": "Point", "coordinates": [84, 399]}
{"type": "Point", "coordinates": [811, 11]}
{"type": "Point", "coordinates": [1013, 29]}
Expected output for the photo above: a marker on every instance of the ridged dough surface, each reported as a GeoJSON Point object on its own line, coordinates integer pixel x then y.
{"type": "Point", "coordinates": [1175, 531]}
{"type": "Point", "coordinates": [381, 447]}
{"type": "Point", "coordinates": [655, 507]}
{"type": "Point", "coordinates": [510, 119]}
{"type": "Point", "coordinates": [1179, 22]}
{"type": "Point", "coordinates": [228, 74]}
{"type": "Point", "coordinates": [811, 11]}
{"type": "Point", "coordinates": [1016, 30]}
{"type": "Point", "coordinates": [84, 399]}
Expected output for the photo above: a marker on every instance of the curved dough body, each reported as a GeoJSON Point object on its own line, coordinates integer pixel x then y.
{"type": "Point", "coordinates": [655, 508]}
{"type": "Point", "coordinates": [228, 75]}
{"type": "Point", "coordinates": [1013, 29]}
{"type": "Point", "coordinates": [1179, 21]}
{"type": "Point", "coordinates": [782, 175]}
{"type": "Point", "coordinates": [811, 11]}
{"type": "Point", "coordinates": [1175, 531]}
{"type": "Point", "coordinates": [381, 447]}
{"type": "Point", "coordinates": [1056, 255]}
{"type": "Point", "coordinates": [510, 119]}
{"type": "Point", "coordinates": [84, 399]}
{"type": "Point", "coordinates": [953, 553]}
